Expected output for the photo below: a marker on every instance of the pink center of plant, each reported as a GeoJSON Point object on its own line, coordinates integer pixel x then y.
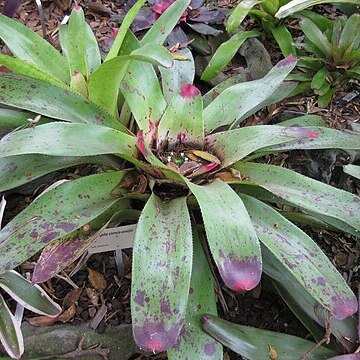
{"type": "Point", "coordinates": [160, 7]}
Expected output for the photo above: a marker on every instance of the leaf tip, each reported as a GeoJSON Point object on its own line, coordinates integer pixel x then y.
{"type": "Point", "coordinates": [189, 91]}
{"type": "Point", "coordinates": [344, 307]}
{"type": "Point", "coordinates": [291, 59]}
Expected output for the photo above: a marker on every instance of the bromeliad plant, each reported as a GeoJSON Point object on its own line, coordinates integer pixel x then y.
{"type": "Point", "coordinates": [188, 154]}
{"type": "Point", "coordinates": [333, 50]}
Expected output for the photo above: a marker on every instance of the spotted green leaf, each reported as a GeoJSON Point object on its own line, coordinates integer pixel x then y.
{"type": "Point", "coordinates": [161, 273]}
{"type": "Point", "coordinates": [57, 213]}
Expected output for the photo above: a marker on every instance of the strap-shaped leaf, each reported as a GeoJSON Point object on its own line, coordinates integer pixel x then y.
{"type": "Point", "coordinates": [55, 214]}
{"type": "Point", "coordinates": [225, 52]}
{"type": "Point", "coordinates": [53, 101]}
{"type": "Point", "coordinates": [231, 146]}
{"type": "Point", "coordinates": [241, 100]}
{"type": "Point", "coordinates": [303, 258]}
{"type": "Point", "coordinates": [353, 170]}
{"type": "Point", "coordinates": [322, 138]}
{"type": "Point", "coordinates": [61, 253]}
{"type": "Point", "coordinates": [18, 170]}
{"type": "Point", "coordinates": [28, 295]}
{"type": "Point", "coordinates": [181, 72]}
{"type": "Point", "coordinates": [304, 192]}
{"type": "Point", "coordinates": [64, 139]}
{"type": "Point", "coordinates": [129, 18]}
{"type": "Point", "coordinates": [257, 344]}
{"type": "Point", "coordinates": [284, 39]}
{"type": "Point", "coordinates": [161, 273]}
{"type": "Point", "coordinates": [194, 343]}
{"type": "Point", "coordinates": [28, 69]}
{"type": "Point", "coordinates": [105, 81]}
{"type": "Point", "coordinates": [28, 46]}
{"type": "Point", "coordinates": [14, 118]}
{"type": "Point", "coordinates": [10, 333]}
{"type": "Point", "coordinates": [75, 40]}
{"type": "Point", "coordinates": [239, 14]}
{"type": "Point", "coordinates": [183, 118]}
{"type": "Point", "coordinates": [166, 22]}
{"type": "Point", "coordinates": [296, 5]}
{"type": "Point", "coordinates": [305, 120]}
{"type": "Point", "coordinates": [231, 235]}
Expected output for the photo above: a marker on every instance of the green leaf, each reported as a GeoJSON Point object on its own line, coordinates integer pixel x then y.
{"type": "Point", "coordinates": [161, 273]}
{"type": "Point", "coordinates": [256, 344]}
{"type": "Point", "coordinates": [305, 120]}
{"type": "Point", "coordinates": [78, 84]}
{"type": "Point", "coordinates": [322, 138]}
{"type": "Point", "coordinates": [225, 52]}
{"type": "Point", "coordinates": [75, 41]}
{"type": "Point", "coordinates": [120, 37]}
{"type": "Point", "coordinates": [319, 78]}
{"type": "Point", "coordinates": [304, 192]}
{"type": "Point", "coordinates": [325, 99]}
{"type": "Point", "coordinates": [166, 23]}
{"type": "Point", "coordinates": [352, 170]}
{"type": "Point", "coordinates": [55, 214]}
{"type": "Point", "coordinates": [194, 343]}
{"type": "Point", "coordinates": [239, 14]}
{"type": "Point", "coordinates": [64, 139]}
{"type": "Point", "coordinates": [10, 333]}
{"type": "Point", "coordinates": [321, 21]}
{"type": "Point", "coordinates": [252, 138]}
{"type": "Point", "coordinates": [284, 39]}
{"type": "Point", "coordinates": [298, 5]}
{"type": "Point", "coordinates": [105, 81]}
{"type": "Point", "coordinates": [181, 72]}
{"type": "Point", "coordinates": [32, 297]}
{"type": "Point", "coordinates": [93, 55]}
{"type": "Point", "coordinates": [61, 253]}
{"type": "Point", "coordinates": [13, 118]}
{"type": "Point", "coordinates": [316, 37]}
{"type": "Point", "coordinates": [18, 170]}
{"type": "Point", "coordinates": [303, 258]}
{"type": "Point", "coordinates": [232, 239]}
{"type": "Point", "coordinates": [53, 101]}
{"type": "Point", "coordinates": [27, 45]}
{"type": "Point", "coordinates": [183, 118]}
{"type": "Point", "coordinates": [241, 100]}
{"type": "Point", "coordinates": [28, 69]}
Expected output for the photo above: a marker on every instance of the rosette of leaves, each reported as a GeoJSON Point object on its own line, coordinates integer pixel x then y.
{"type": "Point", "coordinates": [190, 165]}
{"type": "Point", "coordinates": [196, 19]}
{"type": "Point", "coordinates": [331, 55]}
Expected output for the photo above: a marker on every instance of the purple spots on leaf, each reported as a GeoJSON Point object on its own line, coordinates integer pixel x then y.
{"type": "Point", "coordinates": [140, 297]}
{"type": "Point", "coordinates": [189, 91]}
{"type": "Point", "coordinates": [155, 337]}
{"type": "Point", "coordinates": [288, 60]}
{"type": "Point", "coordinates": [50, 236]}
{"type": "Point", "coordinates": [209, 349]}
{"type": "Point", "coordinates": [240, 273]}
{"type": "Point", "coordinates": [343, 307]}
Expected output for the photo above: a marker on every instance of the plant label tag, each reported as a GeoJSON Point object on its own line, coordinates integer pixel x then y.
{"type": "Point", "coordinates": [117, 238]}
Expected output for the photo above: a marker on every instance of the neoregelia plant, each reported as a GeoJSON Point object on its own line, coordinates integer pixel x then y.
{"type": "Point", "coordinates": [189, 157]}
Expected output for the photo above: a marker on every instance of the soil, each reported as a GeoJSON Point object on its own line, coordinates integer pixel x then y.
{"type": "Point", "coordinates": [260, 308]}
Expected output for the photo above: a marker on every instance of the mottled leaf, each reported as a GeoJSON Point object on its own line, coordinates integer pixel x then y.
{"type": "Point", "coordinates": [10, 333]}
{"type": "Point", "coordinates": [194, 343]}
{"type": "Point", "coordinates": [29, 46]}
{"type": "Point", "coordinates": [181, 72]}
{"type": "Point", "coordinates": [183, 121]}
{"type": "Point", "coordinates": [53, 101]}
{"type": "Point", "coordinates": [252, 138]}
{"type": "Point", "coordinates": [162, 260]}
{"type": "Point", "coordinates": [242, 100]}
{"type": "Point", "coordinates": [65, 139]}
{"type": "Point", "coordinates": [304, 192]}
{"type": "Point", "coordinates": [257, 344]}
{"type": "Point", "coordinates": [28, 295]}
{"type": "Point", "coordinates": [303, 258]}
{"type": "Point", "coordinates": [225, 52]}
{"type": "Point", "coordinates": [55, 214]}
{"type": "Point", "coordinates": [231, 236]}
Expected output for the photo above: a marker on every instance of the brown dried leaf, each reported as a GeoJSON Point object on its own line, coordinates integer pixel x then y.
{"type": "Point", "coordinates": [93, 295]}
{"type": "Point", "coordinates": [42, 320]}
{"type": "Point", "coordinates": [68, 314]}
{"type": "Point", "coordinates": [71, 298]}
{"type": "Point", "coordinates": [97, 280]}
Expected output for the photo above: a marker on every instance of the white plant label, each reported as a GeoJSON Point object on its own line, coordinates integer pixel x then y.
{"type": "Point", "coordinates": [117, 238]}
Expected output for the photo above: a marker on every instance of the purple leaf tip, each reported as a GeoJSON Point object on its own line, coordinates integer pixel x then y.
{"type": "Point", "coordinates": [240, 274]}
{"type": "Point", "coordinates": [140, 143]}
{"type": "Point", "coordinates": [189, 91]}
{"type": "Point", "coordinates": [77, 8]}
{"type": "Point", "coordinates": [287, 61]}
{"type": "Point", "coordinates": [344, 307]}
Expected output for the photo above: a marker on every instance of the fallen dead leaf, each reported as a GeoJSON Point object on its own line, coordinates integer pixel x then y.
{"type": "Point", "coordinates": [97, 280]}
